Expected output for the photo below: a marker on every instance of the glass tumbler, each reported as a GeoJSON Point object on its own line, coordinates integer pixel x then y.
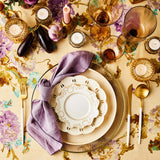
{"type": "Point", "coordinates": [139, 23]}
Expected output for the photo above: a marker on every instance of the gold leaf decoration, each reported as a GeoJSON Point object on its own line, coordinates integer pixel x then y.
{"type": "Point", "coordinates": [26, 147]}
{"type": "Point", "coordinates": [118, 73]}
{"type": "Point", "coordinates": [156, 65]}
{"type": "Point", "coordinates": [157, 80]}
{"type": "Point", "coordinates": [13, 154]}
{"type": "Point", "coordinates": [66, 156]}
{"type": "Point", "coordinates": [125, 148]}
{"type": "Point", "coordinates": [154, 145]}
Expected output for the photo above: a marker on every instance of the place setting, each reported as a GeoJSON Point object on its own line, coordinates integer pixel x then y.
{"type": "Point", "coordinates": [89, 107]}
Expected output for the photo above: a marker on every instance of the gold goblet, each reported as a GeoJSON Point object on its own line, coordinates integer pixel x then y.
{"type": "Point", "coordinates": [104, 13]}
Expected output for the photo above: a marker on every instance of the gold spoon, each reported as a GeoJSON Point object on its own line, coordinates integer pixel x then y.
{"type": "Point", "coordinates": [141, 92]}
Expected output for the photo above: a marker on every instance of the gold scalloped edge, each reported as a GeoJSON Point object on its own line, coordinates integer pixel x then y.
{"type": "Point", "coordinates": [19, 38]}
{"type": "Point", "coordinates": [142, 78]}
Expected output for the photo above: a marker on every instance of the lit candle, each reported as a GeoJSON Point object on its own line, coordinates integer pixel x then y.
{"type": "Point", "coordinates": [42, 13]}
{"type": "Point", "coordinates": [141, 69]}
{"type": "Point", "coordinates": [15, 30]}
{"type": "Point", "coordinates": [77, 39]}
{"type": "Point", "coordinates": [154, 44]}
{"type": "Point", "coordinates": [66, 14]}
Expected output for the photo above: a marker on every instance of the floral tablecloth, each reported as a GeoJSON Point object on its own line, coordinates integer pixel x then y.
{"type": "Point", "coordinates": [14, 69]}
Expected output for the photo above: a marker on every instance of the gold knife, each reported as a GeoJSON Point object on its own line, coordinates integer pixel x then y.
{"type": "Point", "coordinates": [129, 111]}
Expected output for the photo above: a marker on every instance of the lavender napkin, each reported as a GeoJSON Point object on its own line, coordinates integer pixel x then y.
{"type": "Point", "coordinates": [42, 124]}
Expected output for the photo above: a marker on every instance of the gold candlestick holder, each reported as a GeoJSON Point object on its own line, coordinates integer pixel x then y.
{"type": "Point", "coordinates": [70, 26]}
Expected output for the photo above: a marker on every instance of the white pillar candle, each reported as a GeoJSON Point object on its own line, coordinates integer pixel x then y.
{"type": "Point", "coordinates": [42, 13]}
{"type": "Point", "coordinates": [77, 38]}
{"type": "Point", "coordinates": [141, 69]}
{"type": "Point", "coordinates": [154, 44]}
{"type": "Point", "coordinates": [15, 30]}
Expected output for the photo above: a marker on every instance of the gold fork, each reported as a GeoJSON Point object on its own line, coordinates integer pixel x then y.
{"type": "Point", "coordinates": [23, 95]}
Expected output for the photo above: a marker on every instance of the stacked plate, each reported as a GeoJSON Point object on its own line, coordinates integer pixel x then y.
{"type": "Point", "coordinates": [80, 105]}
{"type": "Point", "coordinates": [85, 106]}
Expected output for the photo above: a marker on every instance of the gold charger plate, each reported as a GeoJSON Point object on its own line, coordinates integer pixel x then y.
{"type": "Point", "coordinates": [105, 135]}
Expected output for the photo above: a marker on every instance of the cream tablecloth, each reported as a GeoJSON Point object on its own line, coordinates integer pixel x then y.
{"type": "Point", "coordinates": [13, 68]}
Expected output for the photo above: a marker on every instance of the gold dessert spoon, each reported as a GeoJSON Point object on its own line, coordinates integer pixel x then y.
{"type": "Point", "coordinates": [141, 92]}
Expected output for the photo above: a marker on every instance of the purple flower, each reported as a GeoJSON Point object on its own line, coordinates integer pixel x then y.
{"type": "Point", "coordinates": [56, 32]}
{"type": "Point", "coordinates": [56, 7]}
{"type": "Point", "coordinates": [30, 2]}
{"type": "Point", "coordinates": [118, 25]}
{"type": "Point", "coordinates": [5, 44]}
{"type": "Point", "coordinates": [9, 127]}
{"type": "Point", "coordinates": [154, 4]}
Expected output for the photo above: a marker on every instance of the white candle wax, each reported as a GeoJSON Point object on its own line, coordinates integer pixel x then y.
{"type": "Point", "coordinates": [15, 29]}
{"type": "Point", "coordinates": [42, 13]}
{"type": "Point", "coordinates": [141, 69]}
{"type": "Point", "coordinates": [154, 44]}
{"type": "Point", "coordinates": [77, 38]}
{"type": "Point", "coordinates": [116, 51]}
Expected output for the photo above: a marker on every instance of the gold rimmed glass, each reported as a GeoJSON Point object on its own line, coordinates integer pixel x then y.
{"type": "Point", "coordinates": [104, 13]}
{"type": "Point", "coordinates": [139, 23]}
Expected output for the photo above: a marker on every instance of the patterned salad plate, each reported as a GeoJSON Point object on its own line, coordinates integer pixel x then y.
{"type": "Point", "coordinates": [80, 104]}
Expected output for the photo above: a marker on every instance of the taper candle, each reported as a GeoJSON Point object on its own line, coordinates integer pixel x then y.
{"type": "Point", "coordinates": [66, 14]}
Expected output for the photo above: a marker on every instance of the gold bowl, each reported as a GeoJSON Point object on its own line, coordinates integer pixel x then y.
{"type": "Point", "coordinates": [142, 69]}
{"type": "Point", "coordinates": [16, 30]}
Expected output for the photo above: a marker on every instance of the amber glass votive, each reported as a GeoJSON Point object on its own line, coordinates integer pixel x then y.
{"type": "Point", "coordinates": [142, 69]}
{"type": "Point", "coordinates": [110, 49]}
{"type": "Point", "coordinates": [77, 38]}
{"type": "Point", "coordinates": [43, 15]}
{"type": "Point", "coordinates": [16, 30]}
{"type": "Point", "coordinates": [152, 45]}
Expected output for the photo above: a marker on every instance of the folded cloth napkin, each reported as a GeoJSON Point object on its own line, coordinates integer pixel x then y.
{"type": "Point", "coordinates": [41, 124]}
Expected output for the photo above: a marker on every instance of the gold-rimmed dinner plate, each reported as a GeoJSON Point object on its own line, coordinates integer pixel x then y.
{"type": "Point", "coordinates": [108, 118]}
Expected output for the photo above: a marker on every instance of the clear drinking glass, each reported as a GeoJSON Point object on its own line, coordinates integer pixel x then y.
{"type": "Point", "coordinates": [104, 13]}
{"type": "Point", "coordinates": [139, 23]}
{"type": "Point", "coordinates": [111, 49]}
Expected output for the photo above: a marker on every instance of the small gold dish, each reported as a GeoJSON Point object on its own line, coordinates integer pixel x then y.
{"type": "Point", "coordinates": [142, 69]}
{"type": "Point", "coordinates": [16, 30]}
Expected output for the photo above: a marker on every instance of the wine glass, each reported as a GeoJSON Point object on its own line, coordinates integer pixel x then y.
{"type": "Point", "coordinates": [139, 23]}
{"type": "Point", "coordinates": [104, 13]}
